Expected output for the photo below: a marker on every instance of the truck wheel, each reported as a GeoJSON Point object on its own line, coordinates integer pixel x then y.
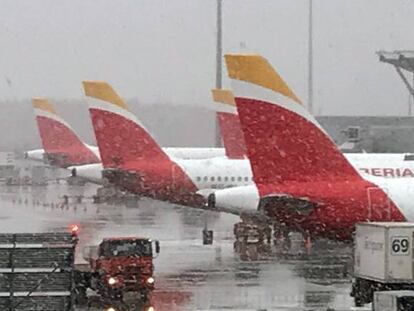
{"type": "Point", "coordinates": [357, 293]}
{"type": "Point", "coordinates": [358, 301]}
{"type": "Point", "coordinates": [81, 298]}
{"type": "Point", "coordinates": [106, 293]}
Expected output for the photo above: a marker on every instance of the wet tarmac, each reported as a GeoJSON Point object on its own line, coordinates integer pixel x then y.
{"type": "Point", "coordinates": [189, 275]}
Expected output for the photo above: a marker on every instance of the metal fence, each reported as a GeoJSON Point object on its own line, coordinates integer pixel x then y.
{"type": "Point", "coordinates": [36, 271]}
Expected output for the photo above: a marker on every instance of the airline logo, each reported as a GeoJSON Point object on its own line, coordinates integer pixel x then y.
{"type": "Point", "coordinates": [272, 113]}
{"type": "Point", "coordinates": [43, 108]}
{"type": "Point", "coordinates": [42, 104]}
{"type": "Point", "coordinates": [61, 144]}
{"type": "Point", "coordinates": [229, 124]}
{"type": "Point", "coordinates": [225, 100]}
{"type": "Point", "coordinates": [388, 172]}
{"type": "Point", "coordinates": [120, 135]}
{"type": "Point", "coordinates": [256, 70]}
{"type": "Point", "coordinates": [126, 145]}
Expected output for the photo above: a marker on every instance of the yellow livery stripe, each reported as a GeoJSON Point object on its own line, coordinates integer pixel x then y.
{"type": "Point", "coordinates": [43, 104]}
{"type": "Point", "coordinates": [103, 91]}
{"type": "Point", "coordinates": [256, 69]}
{"type": "Point", "coordinates": [223, 96]}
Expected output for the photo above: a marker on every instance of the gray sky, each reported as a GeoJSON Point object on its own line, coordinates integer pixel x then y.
{"type": "Point", "coordinates": [164, 50]}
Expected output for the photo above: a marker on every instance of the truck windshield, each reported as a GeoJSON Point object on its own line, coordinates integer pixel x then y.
{"type": "Point", "coordinates": [126, 248]}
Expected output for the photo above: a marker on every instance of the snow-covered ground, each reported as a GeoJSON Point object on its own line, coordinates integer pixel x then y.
{"type": "Point", "coordinates": [189, 276]}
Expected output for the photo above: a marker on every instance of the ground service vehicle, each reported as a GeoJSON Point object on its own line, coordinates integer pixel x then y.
{"type": "Point", "coordinates": [383, 259]}
{"type": "Point", "coordinates": [117, 266]}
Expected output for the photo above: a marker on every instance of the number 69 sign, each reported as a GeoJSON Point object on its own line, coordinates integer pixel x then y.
{"type": "Point", "coordinates": [400, 245]}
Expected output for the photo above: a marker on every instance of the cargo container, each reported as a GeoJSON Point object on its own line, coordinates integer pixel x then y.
{"type": "Point", "coordinates": [383, 259]}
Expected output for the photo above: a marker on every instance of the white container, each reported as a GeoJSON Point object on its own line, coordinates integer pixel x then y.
{"type": "Point", "coordinates": [384, 252]}
{"type": "Point", "coordinates": [393, 300]}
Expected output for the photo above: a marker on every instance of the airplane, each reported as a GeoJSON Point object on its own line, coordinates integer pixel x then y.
{"type": "Point", "coordinates": [62, 146]}
{"type": "Point", "coordinates": [300, 177]}
{"type": "Point", "coordinates": [140, 166]}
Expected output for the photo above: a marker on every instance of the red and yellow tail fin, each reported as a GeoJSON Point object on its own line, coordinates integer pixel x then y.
{"type": "Point", "coordinates": [60, 142]}
{"type": "Point", "coordinates": [223, 96]}
{"type": "Point", "coordinates": [229, 124]}
{"type": "Point", "coordinates": [284, 141]}
{"type": "Point", "coordinates": [43, 104]}
{"type": "Point", "coordinates": [120, 135]}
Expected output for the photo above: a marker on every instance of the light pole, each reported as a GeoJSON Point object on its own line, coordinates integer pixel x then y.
{"type": "Point", "coordinates": [310, 58]}
{"type": "Point", "coordinates": [219, 63]}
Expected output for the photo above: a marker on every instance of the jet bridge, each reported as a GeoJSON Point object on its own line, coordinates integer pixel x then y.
{"type": "Point", "coordinates": [36, 271]}
{"type": "Point", "coordinates": [403, 62]}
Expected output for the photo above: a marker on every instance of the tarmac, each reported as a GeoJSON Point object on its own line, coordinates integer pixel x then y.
{"type": "Point", "coordinates": [189, 275]}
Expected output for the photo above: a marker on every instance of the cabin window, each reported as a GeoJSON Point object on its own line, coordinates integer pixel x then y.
{"type": "Point", "coordinates": [205, 178]}
{"type": "Point", "coordinates": [233, 178]}
{"type": "Point", "coordinates": [226, 178]}
{"type": "Point", "coordinates": [246, 178]}
{"type": "Point", "coordinates": [198, 178]}
{"type": "Point", "coordinates": [219, 178]}
{"type": "Point", "coordinates": [239, 178]}
{"type": "Point", "coordinates": [212, 178]}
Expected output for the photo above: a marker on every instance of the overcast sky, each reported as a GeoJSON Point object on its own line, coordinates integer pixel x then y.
{"type": "Point", "coordinates": [164, 50]}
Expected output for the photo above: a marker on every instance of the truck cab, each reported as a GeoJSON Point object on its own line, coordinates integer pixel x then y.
{"type": "Point", "coordinates": [119, 265]}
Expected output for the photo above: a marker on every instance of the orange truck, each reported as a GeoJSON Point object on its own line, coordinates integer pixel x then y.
{"type": "Point", "coordinates": [117, 266]}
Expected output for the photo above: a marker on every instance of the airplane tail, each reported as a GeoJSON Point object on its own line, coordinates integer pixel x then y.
{"type": "Point", "coordinates": [60, 143]}
{"type": "Point", "coordinates": [284, 141]}
{"type": "Point", "coordinates": [229, 124]}
{"type": "Point", "coordinates": [120, 135]}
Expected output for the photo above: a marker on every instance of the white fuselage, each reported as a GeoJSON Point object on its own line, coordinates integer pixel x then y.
{"type": "Point", "coordinates": [399, 190]}
{"type": "Point", "coordinates": [245, 199]}
{"type": "Point", "coordinates": [39, 154]}
{"type": "Point", "coordinates": [174, 152]}
{"type": "Point", "coordinates": [221, 172]}
{"type": "Point", "coordinates": [225, 173]}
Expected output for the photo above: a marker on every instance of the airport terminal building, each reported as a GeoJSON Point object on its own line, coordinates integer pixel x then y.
{"type": "Point", "coordinates": [371, 134]}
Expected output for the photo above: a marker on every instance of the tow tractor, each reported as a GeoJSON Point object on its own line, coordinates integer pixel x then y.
{"type": "Point", "coordinates": [117, 266]}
